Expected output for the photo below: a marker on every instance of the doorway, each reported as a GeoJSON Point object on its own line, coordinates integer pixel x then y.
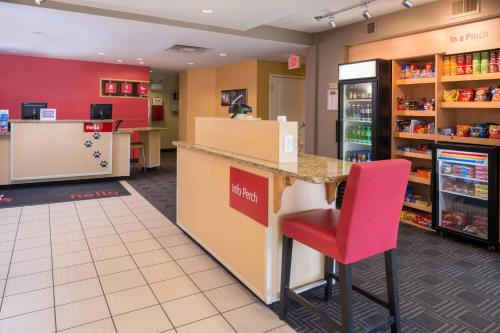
{"type": "Point", "coordinates": [287, 97]}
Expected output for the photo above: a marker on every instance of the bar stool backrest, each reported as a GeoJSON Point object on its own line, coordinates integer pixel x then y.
{"type": "Point", "coordinates": [370, 214]}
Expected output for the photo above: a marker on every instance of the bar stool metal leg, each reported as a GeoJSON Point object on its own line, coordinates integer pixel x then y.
{"type": "Point", "coordinates": [286, 265]}
{"type": "Point", "coordinates": [345, 281]}
{"type": "Point", "coordinates": [392, 289]}
{"type": "Point", "coordinates": [328, 277]}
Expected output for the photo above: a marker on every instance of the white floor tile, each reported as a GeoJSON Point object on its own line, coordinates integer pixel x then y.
{"type": "Point", "coordinates": [27, 302]}
{"type": "Point", "coordinates": [71, 259]}
{"type": "Point", "coordinates": [230, 297]}
{"type": "Point", "coordinates": [197, 264]}
{"type": "Point", "coordinates": [115, 265]}
{"type": "Point", "coordinates": [27, 283]}
{"type": "Point", "coordinates": [120, 281]}
{"type": "Point", "coordinates": [212, 278]}
{"type": "Point", "coordinates": [130, 300]}
{"type": "Point", "coordinates": [30, 267]}
{"type": "Point", "coordinates": [253, 318]}
{"type": "Point", "coordinates": [74, 273]}
{"type": "Point", "coordinates": [109, 252]}
{"type": "Point", "coordinates": [215, 324]}
{"type": "Point", "coordinates": [100, 326]}
{"type": "Point", "coordinates": [185, 251]}
{"type": "Point", "coordinates": [82, 312]}
{"type": "Point", "coordinates": [189, 309]}
{"type": "Point", "coordinates": [35, 322]}
{"type": "Point", "coordinates": [143, 246]}
{"type": "Point", "coordinates": [151, 258]}
{"type": "Point", "coordinates": [149, 320]}
{"type": "Point", "coordinates": [175, 288]}
{"type": "Point", "coordinates": [77, 291]}
{"type": "Point", "coordinates": [163, 271]}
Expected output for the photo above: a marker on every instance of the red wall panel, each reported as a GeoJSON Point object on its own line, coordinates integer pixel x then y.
{"type": "Point", "coordinates": [69, 86]}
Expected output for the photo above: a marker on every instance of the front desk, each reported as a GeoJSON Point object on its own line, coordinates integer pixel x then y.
{"type": "Point", "coordinates": [41, 151]}
{"type": "Point", "coordinates": [236, 182]}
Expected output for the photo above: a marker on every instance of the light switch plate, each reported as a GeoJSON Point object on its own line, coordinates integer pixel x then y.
{"type": "Point", "coordinates": [288, 144]}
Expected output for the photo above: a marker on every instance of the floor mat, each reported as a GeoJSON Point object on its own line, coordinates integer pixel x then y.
{"type": "Point", "coordinates": [41, 194]}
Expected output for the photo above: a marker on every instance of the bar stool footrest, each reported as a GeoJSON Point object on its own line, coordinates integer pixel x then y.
{"type": "Point", "coordinates": [364, 293]}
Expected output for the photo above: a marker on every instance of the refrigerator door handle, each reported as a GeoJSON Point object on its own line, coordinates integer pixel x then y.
{"type": "Point", "coordinates": [337, 131]}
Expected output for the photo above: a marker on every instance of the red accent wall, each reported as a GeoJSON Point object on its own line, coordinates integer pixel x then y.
{"type": "Point", "coordinates": [69, 86]}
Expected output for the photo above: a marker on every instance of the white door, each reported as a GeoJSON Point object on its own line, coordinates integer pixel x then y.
{"type": "Point", "coordinates": [287, 97]}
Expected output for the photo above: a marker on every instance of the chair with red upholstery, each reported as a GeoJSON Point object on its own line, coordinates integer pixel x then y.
{"type": "Point", "coordinates": [366, 225]}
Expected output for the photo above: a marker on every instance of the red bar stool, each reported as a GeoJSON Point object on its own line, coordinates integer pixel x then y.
{"type": "Point", "coordinates": [366, 226]}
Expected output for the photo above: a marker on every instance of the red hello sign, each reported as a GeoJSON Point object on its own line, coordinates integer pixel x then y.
{"type": "Point", "coordinates": [97, 127]}
{"type": "Point", "coordinates": [248, 194]}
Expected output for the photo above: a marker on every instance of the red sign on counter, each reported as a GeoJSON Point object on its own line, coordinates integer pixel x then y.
{"type": "Point", "coordinates": [97, 127]}
{"type": "Point", "coordinates": [248, 194]}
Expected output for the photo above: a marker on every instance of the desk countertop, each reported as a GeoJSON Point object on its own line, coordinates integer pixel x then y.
{"type": "Point", "coordinates": [59, 121]}
{"type": "Point", "coordinates": [142, 129]}
{"type": "Point", "coordinates": [309, 168]}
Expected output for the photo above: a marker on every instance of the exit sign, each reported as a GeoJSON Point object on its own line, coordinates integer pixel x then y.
{"type": "Point", "coordinates": [294, 62]}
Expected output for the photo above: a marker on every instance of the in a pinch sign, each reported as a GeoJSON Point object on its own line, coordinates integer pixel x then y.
{"type": "Point", "coordinates": [248, 194]}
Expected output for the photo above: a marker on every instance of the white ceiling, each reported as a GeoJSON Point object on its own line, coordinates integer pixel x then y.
{"type": "Point", "coordinates": [72, 35]}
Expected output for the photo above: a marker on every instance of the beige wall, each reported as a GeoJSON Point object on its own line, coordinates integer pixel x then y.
{"type": "Point", "coordinates": [264, 70]}
{"type": "Point", "coordinates": [171, 108]}
{"type": "Point", "coordinates": [238, 76]}
{"type": "Point", "coordinates": [331, 47]}
{"type": "Point", "coordinates": [196, 99]}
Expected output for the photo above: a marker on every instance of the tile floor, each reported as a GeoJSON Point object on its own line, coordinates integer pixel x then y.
{"type": "Point", "coordinates": [115, 265]}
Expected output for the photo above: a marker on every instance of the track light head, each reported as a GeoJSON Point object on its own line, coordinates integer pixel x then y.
{"type": "Point", "coordinates": [39, 2]}
{"type": "Point", "coordinates": [366, 14]}
{"type": "Point", "coordinates": [331, 23]}
{"type": "Point", "coordinates": [407, 3]}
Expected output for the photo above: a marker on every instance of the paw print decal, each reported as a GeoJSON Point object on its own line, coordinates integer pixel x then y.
{"type": "Point", "coordinates": [88, 143]}
{"type": "Point", "coordinates": [104, 164]}
{"type": "Point", "coordinates": [97, 136]}
{"type": "Point", "coordinates": [97, 154]}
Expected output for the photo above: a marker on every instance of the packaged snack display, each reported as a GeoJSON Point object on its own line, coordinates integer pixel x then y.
{"type": "Point", "coordinates": [482, 94]}
{"type": "Point", "coordinates": [479, 131]}
{"type": "Point", "coordinates": [494, 131]}
{"type": "Point", "coordinates": [463, 130]}
{"type": "Point", "coordinates": [466, 95]}
{"type": "Point", "coordinates": [424, 104]}
{"type": "Point", "coordinates": [472, 63]}
{"type": "Point", "coordinates": [459, 186]}
{"type": "Point", "coordinates": [460, 64]}
{"type": "Point", "coordinates": [446, 169]}
{"type": "Point", "coordinates": [450, 95]}
{"type": "Point", "coordinates": [476, 63]}
{"type": "Point", "coordinates": [422, 148]}
{"type": "Point", "coordinates": [447, 66]}
{"type": "Point", "coordinates": [495, 94]}
{"type": "Point", "coordinates": [453, 219]}
{"type": "Point", "coordinates": [423, 173]}
{"type": "Point", "coordinates": [453, 65]}
{"type": "Point", "coordinates": [463, 171]}
{"type": "Point", "coordinates": [447, 131]}
{"type": "Point", "coordinates": [481, 172]}
{"type": "Point", "coordinates": [468, 63]}
{"type": "Point", "coordinates": [414, 71]}
{"type": "Point", "coordinates": [485, 62]}
{"type": "Point", "coordinates": [493, 62]}
{"type": "Point", "coordinates": [481, 191]}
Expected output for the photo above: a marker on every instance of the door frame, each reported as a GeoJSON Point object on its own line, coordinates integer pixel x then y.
{"type": "Point", "coordinates": [271, 76]}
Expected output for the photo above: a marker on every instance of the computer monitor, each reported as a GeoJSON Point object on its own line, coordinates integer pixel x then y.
{"type": "Point", "coordinates": [31, 110]}
{"type": "Point", "coordinates": [101, 111]}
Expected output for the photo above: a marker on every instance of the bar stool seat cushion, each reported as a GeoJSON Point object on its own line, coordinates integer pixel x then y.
{"type": "Point", "coordinates": [316, 229]}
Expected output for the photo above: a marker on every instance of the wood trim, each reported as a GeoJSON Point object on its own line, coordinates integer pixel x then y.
{"type": "Point", "coordinates": [280, 183]}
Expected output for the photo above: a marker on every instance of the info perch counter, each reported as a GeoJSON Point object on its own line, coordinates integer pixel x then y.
{"type": "Point", "coordinates": [233, 192]}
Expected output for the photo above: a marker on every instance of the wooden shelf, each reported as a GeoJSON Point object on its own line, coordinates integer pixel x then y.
{"type": "Point", "coordinates": [472, 141]}
{"type": "Point", "coordinates": [414, 113]}
{"type": "Point", "coordinates": [415, 136]}
{"type": "Point", "coordinates": [471, 105]}
{"type": "Point", "coordinates": [426, 80]}
{"type": "Point", "coordinates": [416, 206]}
{"type": "Point", "coordinates": [414, 155]}
{"type": "Point", "coordinates": [471, 77]}
{"type": "Point", "coordinates": [420, 180]}
{"type": "Point", "coordinates": [418, 226]}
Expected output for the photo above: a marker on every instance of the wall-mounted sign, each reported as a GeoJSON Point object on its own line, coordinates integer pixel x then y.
{"type": "Point", "coordinates": [126, 88]}
{"type": "Point", "coordinates": [294, 62]}
{"type": "Point", "coordinates": [110, 88]}
{"type": "Point", "coordinates": [472, 37]}
{"type": "Point", "coordinates": [97, 127]}
{"type": "Point", "coordinates": [142, 89]}
{"type": "Point", "coordinates": [248, 194]}
{"type": "Point", "coordinates": [157, 101]}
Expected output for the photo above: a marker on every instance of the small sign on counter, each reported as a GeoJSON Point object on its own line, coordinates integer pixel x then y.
{"type": "Point", "coordinates": [97, 127]}
{"type": "Point", "coordinates": [248, 194]}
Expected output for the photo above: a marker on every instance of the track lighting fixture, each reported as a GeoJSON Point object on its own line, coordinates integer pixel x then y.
{"type": "Point", "coordinates": [366, 14]}
{"type": "Point", "coordinates": [331, 23]}
{"type": "Point", "coordinates": [407, 3]}
{"type": "Point", "coordinates": [39, 2]}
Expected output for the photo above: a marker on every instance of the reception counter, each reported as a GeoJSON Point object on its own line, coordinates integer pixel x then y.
{"type": "Point", "coordinates": [38, 151]}
{"type": "Point", "coordinates": [233, 203]}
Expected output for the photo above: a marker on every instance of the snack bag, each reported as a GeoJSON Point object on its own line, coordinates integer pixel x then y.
{"type": "Point", "coordinates": [495, 94]}
{"type": "Point", "coordinates": [494, 131]}
{"type": "Point", "coordinates": [479, 131]}
{"type": "Point", "coordinates": [466, 95]}
{"type": "Point", "coordinates": [463, 130]}
{"type": "Point", "coordinates": [450, 95]}
{"type": "Point", "coordinates": [482, 94]}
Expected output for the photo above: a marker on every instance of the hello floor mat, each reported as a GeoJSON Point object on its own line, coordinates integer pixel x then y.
{"type": "Point", "coordinates": [53, 193]}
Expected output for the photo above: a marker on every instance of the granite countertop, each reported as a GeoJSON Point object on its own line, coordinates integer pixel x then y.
{"type": "Point", "coordinates": [309, 168]}
{"type": "Point", "coordinates": [142, 129]}
{"type": "Point", "coordinates": [60, 121]}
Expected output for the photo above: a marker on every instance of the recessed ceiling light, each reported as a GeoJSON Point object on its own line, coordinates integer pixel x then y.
{"type": "Point", "coordinates": [119, 60]}
{"type": "Point", "coordinates": [151, 71]}
{"type": "Point", "coordinates": [191, 63]}
{"type": "Point", "coordinates": [141, 62]}
{"type": "Point", "coordinates": [223, 54]}
{"type": "Point", "coordinates": [140, 59]}
{"type": "Point", "coordinates": [101, 53]}
{"type": "Point", "coordinates": [36, 33]}
{"type": "Point", "coordinates": [207, 11]}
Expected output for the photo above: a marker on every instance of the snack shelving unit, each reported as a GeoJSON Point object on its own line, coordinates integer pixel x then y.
{"type": "Point", "coordinates": [446, 114]}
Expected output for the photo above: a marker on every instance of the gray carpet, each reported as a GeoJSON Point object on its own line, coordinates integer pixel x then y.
{"type": "Point", "coordinates": [445, 285]}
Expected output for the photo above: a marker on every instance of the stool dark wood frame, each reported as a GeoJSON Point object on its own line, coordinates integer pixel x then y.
{"type": "Point", "coordinates": [345, 281]}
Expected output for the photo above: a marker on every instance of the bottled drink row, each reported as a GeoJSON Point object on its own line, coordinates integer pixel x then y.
{"type": "Point", "coordinates": [358, 93]}
{"type": "Point", "coordinates": [358, 156]}
{"type": "Point", "coordinates": [359, 134]}
{"type": "Point", "coordinates": [359, 112]}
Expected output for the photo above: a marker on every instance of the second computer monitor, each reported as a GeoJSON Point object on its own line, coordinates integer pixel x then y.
{"type": "Point", "coordinates": [101, 111]}
{"type": "Point", "coordinates": [32, 110]}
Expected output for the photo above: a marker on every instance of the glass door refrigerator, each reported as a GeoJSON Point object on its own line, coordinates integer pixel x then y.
{"type": "Point", "coordinates": [364, 126]}
{"type": "Point", "coordinates": [466, 192]}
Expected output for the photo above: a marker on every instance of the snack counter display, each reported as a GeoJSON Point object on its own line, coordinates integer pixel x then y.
{"type": "Point", "coordinates": [466, 191]}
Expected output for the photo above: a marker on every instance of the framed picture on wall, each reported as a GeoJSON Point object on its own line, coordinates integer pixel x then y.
{"type": "Point", "coordinates": [228, 96]}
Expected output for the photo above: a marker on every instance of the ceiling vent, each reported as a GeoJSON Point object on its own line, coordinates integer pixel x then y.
{"type": "Point", "coordinates": [368, 28]}
{"type": "Point", "coordinates": [460, 8]}
{"type": "Point", "coordinates": [186, 49]}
